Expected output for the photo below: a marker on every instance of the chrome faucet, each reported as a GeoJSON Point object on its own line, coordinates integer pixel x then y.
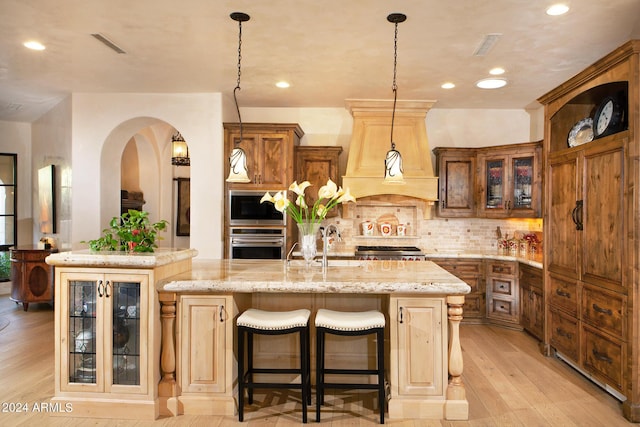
{"type": "Point", "coordinates": [326, 233]}
{"type": "Point", "coordinates": [288, 260]}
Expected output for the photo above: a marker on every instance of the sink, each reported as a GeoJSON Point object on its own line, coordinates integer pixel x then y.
{"type": "Point", "coordinates": [332, 263]}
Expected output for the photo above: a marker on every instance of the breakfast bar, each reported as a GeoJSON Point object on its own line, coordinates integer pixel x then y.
{"type": "Point", "coordinates": [422, 303]}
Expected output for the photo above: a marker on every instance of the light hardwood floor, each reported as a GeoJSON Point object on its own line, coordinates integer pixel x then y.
{"type": "Point", "coordinates": [508, 383]}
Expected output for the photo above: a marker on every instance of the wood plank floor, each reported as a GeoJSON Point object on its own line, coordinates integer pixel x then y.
{"type": "Point", "coordinates": [508, 383]}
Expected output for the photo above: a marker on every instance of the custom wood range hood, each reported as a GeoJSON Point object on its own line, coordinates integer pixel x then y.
{"type": "Point", "coordinates": [370, 142]}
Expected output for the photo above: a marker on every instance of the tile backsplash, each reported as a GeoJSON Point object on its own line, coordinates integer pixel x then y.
{"type": "Point", "coordinates": [438, 234]}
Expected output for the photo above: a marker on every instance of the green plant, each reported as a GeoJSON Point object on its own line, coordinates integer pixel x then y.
{"type": "Point", "coordinates": [132, 232]}
{"type": "Point", "coordinates": [5, 266]}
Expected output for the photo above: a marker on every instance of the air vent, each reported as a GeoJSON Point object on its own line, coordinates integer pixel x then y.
{"type": "Point", "coordinates": [487, 44]}
{"type": "Point", "coordinates": [111, 45]}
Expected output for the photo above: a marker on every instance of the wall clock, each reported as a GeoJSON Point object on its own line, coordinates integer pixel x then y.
{"type": "Point", "coordinates": [609, 117]}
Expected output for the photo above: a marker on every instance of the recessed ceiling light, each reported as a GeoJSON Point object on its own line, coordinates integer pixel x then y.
{"type": "Point", "coordinates": [34, 45]}
{"type": "Point", "coordinates": [496, 71]}
{"type": "Point", "coordinates": [448, 85]}
{"type": "Point", "coordinates": [283, 84]}
{"type": "Point", "coordinates": [557, 9]}
{"type": "Point", "coordinates": [491, 83]}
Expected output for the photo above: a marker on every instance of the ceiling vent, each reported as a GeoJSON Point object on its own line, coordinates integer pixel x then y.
{"type": "Point", "coordinates": [111, 45]}
{"type": "Point", "coordinates": [487, 44]}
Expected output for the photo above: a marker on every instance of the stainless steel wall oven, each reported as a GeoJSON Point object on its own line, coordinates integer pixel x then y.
{"type": "Point", "coordinates": [245, 209]}
{"type": "Point", "coordinates": [257, 243]}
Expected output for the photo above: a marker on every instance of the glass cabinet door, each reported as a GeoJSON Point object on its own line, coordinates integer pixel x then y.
{"type": "Point", "coordinates": [82, 332]}
{"type": "Point", "coordinates": [126, 333]}
{"type": "Point", "coordinates": [495, 180]}
{"type": "Point", "coordinates": [522, 173]}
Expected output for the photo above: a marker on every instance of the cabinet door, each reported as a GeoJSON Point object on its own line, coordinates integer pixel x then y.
{"type": "Point", "coordinates": [272, 161]}
{"type": "Point", "coordinates": [563, 206]}
{"type": "Point", "coordinates": [104, 324]}
{"type": "Point", "coordinates": [202, 355]}
{"type": "Point", "coordinates": [421, 332]}
{"type": "Point", "coordinates": [317, 165]}
{"type": "Point", "coordinates": [456, 179]}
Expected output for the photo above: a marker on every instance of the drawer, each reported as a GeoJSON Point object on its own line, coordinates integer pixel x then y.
{"type": "Point", "coordinates": [473, 305]}
{"type": "Point", "coordinates": [502, 287]}
{"type": "Point", "coordinates": [530, 275]}
{"type": "Point", "coordinates": [504, 309]}
{"type": "Point", "coordinates": [501, 267]}
{"type": "Point", "coordinates": [564, 294]}
{"type": "Point", "coordinates": [605, 310]}
{"type": "Point", "coordinates": [455, 266]}
{"type": "Point", "coordinates": [31, 255]}
{"type": "Point", "coordinates": [603, 357]}
{"type": "Point", "coordinates": [563, 331]}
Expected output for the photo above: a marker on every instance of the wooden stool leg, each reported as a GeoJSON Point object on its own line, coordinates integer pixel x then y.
{"type": "Point", "coordinates": [240, 374]}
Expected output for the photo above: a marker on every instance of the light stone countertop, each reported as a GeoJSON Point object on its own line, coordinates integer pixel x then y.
{"type": "Point", "coordinates": [342, 276]}
{"type": "Point", "coordinates": [88, 258]}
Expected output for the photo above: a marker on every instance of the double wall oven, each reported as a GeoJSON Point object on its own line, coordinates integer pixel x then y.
{"type": "Point", "coordinates": [256, 230]}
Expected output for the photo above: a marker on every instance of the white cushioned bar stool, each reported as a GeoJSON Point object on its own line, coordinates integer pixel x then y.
{"type": "Point", "coordinates": [349, 324]}
{"type": "Point", "coordinates": [254, 321]}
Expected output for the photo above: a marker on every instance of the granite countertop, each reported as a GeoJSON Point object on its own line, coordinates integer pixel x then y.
{"type": "Point", "coordinates": [342, 276]}
{"type": "Point", "coordinates": [88, 258]}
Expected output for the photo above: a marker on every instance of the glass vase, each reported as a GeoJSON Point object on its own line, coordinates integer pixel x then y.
{"type": "Point", "coordinates": [307, 236]}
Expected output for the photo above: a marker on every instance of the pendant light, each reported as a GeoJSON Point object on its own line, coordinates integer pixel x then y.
{"type": "Point", "coordinates": [393, 160]}
{"type": "Point", "coordinates": [238, 158]}
{"type": "Point", "coordinates": [179, 151]}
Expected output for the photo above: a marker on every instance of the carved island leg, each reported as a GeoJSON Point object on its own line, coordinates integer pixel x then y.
{"type": "Point", "coordinates": [457, 405]}
{"type": "Point", "coordinates": [167, 387]}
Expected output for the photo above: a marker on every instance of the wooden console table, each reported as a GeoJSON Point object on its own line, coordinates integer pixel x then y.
{"type": "Point", "coordinates": [31, 277]}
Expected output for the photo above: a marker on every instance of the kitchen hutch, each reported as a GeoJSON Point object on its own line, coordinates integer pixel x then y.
{"type": "Point", "coordinates": [492, 182]}
{"type": "Point", "coordinates": [592, 223]}
{"type": "Point", "coordinates": [31, 277]}
{"type": "Point", "coordinates": [107, 330]}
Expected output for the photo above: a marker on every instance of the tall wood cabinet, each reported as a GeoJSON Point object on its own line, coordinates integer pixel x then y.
{"type": "Point", "coordinates": [591, 226]}
{"type": "Point", "coordinates": [456, 170]}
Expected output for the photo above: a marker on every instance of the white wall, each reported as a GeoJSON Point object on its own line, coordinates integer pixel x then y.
{"type": "Point", "coordinates": [16, 139]}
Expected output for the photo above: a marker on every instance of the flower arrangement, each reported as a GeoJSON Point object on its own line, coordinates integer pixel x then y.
{"type": "Point", "coordinates": [132, 232]}
{"type": "Point", "coordinates": [329, 196]}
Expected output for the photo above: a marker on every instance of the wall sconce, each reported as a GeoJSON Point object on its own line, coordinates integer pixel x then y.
{"type": "Point", "coordinates": [238, 158]}
{"type": "Point", "coordinates": [179, 151]}
{"type": "Point", "coordinates": [393, 160]}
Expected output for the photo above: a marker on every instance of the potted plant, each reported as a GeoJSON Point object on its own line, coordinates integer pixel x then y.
{"type": "Point", "coordinates": [131, 232]}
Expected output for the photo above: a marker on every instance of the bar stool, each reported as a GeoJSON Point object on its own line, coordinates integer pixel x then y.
{"type": "Point", "coordinates": [350, 324]}
{"type": "Point", "coordinates": [254, 321]}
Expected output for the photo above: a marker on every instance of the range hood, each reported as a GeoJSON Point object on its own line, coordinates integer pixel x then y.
{"type": "Point", "coordinates": [370, 142]}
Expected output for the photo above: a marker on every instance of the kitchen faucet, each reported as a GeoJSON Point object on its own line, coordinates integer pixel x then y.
{"type": "Point", "coordinates": [326, 233]}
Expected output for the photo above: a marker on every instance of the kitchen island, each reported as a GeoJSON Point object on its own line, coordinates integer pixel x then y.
{"type": "Point", "coordinates": [421, 301]}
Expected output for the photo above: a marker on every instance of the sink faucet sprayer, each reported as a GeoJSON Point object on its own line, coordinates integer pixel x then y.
{"type": "Point", "coordinates": [326, 233]}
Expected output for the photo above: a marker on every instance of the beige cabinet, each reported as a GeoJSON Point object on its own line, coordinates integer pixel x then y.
{"type": "Point", "coordinates": [418, 363]}
{"type": "Point", "coordinates": [269, 149]}
{"type": "Point", "coordinates": [104, 336]}
{"type": "Point", "coordinates": [456, 171]}
{"type": "Point", "coordinates": [503, 293]}
{"type": "Point", "coordinates": [591, 245]}
{"type": "Point", "coordinates": [531, 300]}
{"type": "Point", "coordinates": [510, 181]}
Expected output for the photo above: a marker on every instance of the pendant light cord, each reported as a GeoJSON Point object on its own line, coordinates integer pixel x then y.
{"type": "Point", "coordinates": [394, 87]}
{"type": "Point", "coordinates": [237, 88]}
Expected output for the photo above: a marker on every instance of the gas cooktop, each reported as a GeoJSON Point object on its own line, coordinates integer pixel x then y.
{"type": "Point", "coordinates": [390, 251]}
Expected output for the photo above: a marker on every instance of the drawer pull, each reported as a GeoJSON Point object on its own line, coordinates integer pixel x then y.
{"type": "Point", "coordinates": [601, 356]}
{"type": "Point", "coordinates": [562, 293]}
{"type": "Point", "coordinates": [599, 309]}
{"type": "Point", "coordinates": [563, 333]}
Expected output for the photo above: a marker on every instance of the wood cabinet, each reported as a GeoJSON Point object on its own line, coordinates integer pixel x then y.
{"type": "Point", "coordinates": [418, 330]}
{"type": "Point", "coordinates": [490, 182]}
{"type": "Point", "coordinates": [503, 293]}
{"type": "Point", "coordinates": [531, 300]}
{"type": "Point", "coordinates": [456, 170]}
{"type": "Point", "coordinates": [317, 165]}
{"type": "Point", "coordinates": [269, 149]}
{"type": "Point", "coordinates": [106, 333]}
{"type": "Point", "coordinates": [472, 272]}
{"type": "Point", "coordinates": [591, 250]}
{"type": "Point", "coordinates": [510, 181]}
{"type": "Point", "coordinates": [31, 277]}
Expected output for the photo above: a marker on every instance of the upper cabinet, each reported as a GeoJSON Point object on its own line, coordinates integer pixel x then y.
{"type": "Point", "coordinates": [269, 148]}
{"type": "Point", "coordinates": [510, 181]}
{"type": "Point", "coordinates": [492, 182]}
{"type": "Point", "coordinates": [316, 165]}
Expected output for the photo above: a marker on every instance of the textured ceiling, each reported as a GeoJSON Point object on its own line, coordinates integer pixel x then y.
{"type": "Point", "coordinates": [328, 50]}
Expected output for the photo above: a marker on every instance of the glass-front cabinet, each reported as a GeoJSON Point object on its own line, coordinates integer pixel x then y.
{"type": "Point", "coordinates": [104, 332]}
{"type": "Point", "coordinates": [510, 182]}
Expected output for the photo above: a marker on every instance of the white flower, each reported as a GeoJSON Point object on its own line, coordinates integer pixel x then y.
{"type": "Point", "coordinates": [280, 202]}
{"type": "Point", "coordinates": [299, 189]}
{"type": "Point", "coordinates": [321, 211]}
{"type": "Point", "coordinates": [266, 198]}
{"type": "Point", "coordinates": [345, 196]}
{"type": "Point", "coordinates": [300, 201]}
{"type": "Point", "coordinates": [328, 191]}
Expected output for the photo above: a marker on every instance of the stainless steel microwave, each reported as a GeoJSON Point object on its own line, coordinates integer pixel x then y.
{"type": "Point", "coordinates": [245, 209]}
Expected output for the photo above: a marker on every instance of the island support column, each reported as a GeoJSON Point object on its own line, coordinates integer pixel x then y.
{"type": "Point", "coordinates": [167, 390]}
{"type": "Point", "coordinates": [457, 406]}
